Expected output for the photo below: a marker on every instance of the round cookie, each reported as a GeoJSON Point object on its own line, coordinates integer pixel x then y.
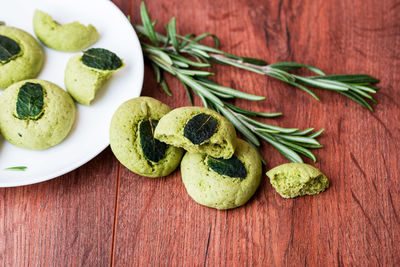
{"type": "Point", "coordinates": [222, 184]}
{"type": "Point", "coordinates": [43, 126]}
{"type": "Point", "coordinates": [70, 37]}
{"type": "Point", "coordinates": [132, 141]}
{"type": "Point", "coordinates": [198, 129]}
{"type": "Point", "coordinates": [26, 64]}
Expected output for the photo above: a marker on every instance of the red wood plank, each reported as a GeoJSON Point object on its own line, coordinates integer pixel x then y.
{"type": "Point", "coordinates": [356, 222]}
{"type": "Point", "coordinates": [67, 221]}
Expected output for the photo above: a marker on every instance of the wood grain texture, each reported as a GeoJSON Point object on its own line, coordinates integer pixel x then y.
{"type": "Point", "coordinates": [104, 214]}
{"type": "Point", "coordinates": [67, 221]}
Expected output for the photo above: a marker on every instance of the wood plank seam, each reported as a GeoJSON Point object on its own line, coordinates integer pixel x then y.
{"type": "Point", "coordinates": [113, 240]}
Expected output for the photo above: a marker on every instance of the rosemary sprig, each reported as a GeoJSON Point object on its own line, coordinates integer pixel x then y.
{"type": "Point", "coordinates": [16, 168]}
{"type": "Point", "coordinates": [184, 57]}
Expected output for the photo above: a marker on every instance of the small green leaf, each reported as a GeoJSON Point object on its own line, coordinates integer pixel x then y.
{"type": "Point", "coordinates": [200, 128]}
{"type": "Point", "coordinates": [148, 26]}
{"type": "Point", "coordinates": [204, 35]}
{"type": "Point", "coordinates": [153, 149]}
{"type": "Point", "coordinates": [229, 91]}
{"type": "Point", "coordinates": [316, 134]}
{"type": "Point", "coordinates": [157, 72]}
{"type": "Point", "coordinates": [189, 62]}
{"type": "Point", "coordinates": [196, 72]}
{"type": "Point", "coordinates": [300, 149]}
{"type": "Point", "coordinates": [171, 30]}
{"type": "Point", "coordinates": [102, 59]}
{"type": "Point", "coordinates": [29, 104]}
{"type": "Point", "coordinates": [349, 78]}
{"type": "Point", "coordinates": [249, 60]}
{"type": "Point", "coordinates": [299, 139]}
{"type": "Point", "coordinates": [295, 66]}
{"type": "Point", "coordinates": [252, 113]}
{"type": "Point", "coordinates": [236, 63]}
{"type": "Point", "coordinates": [165, 87]}
{"type": "Point", "coordinates": [304, 132]}
{"type": "Point", "coordinates": [231, 167]}
{"type": "Point", "coordinates": [254, 61]}
{"type": "Point", "coordinates": [190, 96]}
{"type": "Point", "coordinates": [17, 168]}
{"type": "Point", "coordinates": [9, 49]}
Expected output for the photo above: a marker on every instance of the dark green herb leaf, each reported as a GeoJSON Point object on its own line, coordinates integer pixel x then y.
{"type": "Point", "coordinates": [30, 101]}
{"type": "Point", "coordinates": [252, 113]}
{"type": "Point", "coordinates": [204, 35]}
{"type": "Point", "coordinates": [165, 87]}
{"type": "Point", "coordinates": [295, 66]}
{"type": "Point", "coordinates": [9, 49]}
{"type": "Point", "coordinates": [349, 78]}
{"type": "Point", "coordinates": [171, 30]}
{"type": "Point", "coordinates": [200, 128]}
{"type": "Point", "coordinates": [17, 168]}
{"type": "Point", "coordinates": [102, 59]}
{"type": "Point", "coordinates": [148, 26]}
{"type": "Point", "coordinates": [232, 167]}
{"type": "Point", "coordinates": [153, 149]}
{"type": "Point", "coordinates": [254, 61]}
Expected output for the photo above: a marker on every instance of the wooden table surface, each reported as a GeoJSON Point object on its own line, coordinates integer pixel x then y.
{"type": "Point", "coordinates": [102, 214]}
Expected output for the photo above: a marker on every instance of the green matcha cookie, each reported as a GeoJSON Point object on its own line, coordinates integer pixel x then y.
{"type": "Point", "coordinates": [297, 179]}
{"type": "Point", "coordinates": [86, 74]}
{"type": "Point", "coordinates": [21, 56]}
{"type": "Point", "coordinates": [36, 114]}
{"type": "Point", "coordinates": [70, 37]}
{"type": "Point", "coordinates": [199, 130]}
{"type": "Point", "coordinates": [132, 138]}
{"type": "Point", "coordinates": [222, 183]}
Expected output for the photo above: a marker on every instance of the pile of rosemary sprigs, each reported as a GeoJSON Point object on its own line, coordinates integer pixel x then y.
{"type": "Point", "coordinates": [184, 57]}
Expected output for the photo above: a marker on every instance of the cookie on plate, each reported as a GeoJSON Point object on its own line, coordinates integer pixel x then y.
{"type": "Point", "coordinates": [86, 74]}
{"type": "Point", "coordinates": [36, 114]}
{"type": "Point", "coordinates": [222, 183]}
{"type": "Point", "coordinates": [21, 56]}
{"type": "Point", "coordinates": [132, 138]}
{"type": "Point", "coordinates": [70, 37]}
{"type": "Point", "coordinates": [198, 130]}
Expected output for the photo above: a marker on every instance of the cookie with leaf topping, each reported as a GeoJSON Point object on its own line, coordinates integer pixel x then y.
{"type": "Point", "coordinates": [86, 74]}
{"type": "Point", "coordinates": [198, 129]}
{"type": "Point", "coordinates": [222, 183]}
{"type": "Point", "coordinates": [36, 114]}
{"type": "Point", "coordinates": [21, 56]}
{"type": "Point", "coordinates": [132, 138]}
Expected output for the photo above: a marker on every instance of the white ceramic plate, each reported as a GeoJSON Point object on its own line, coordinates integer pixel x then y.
{"type": "Point", "coordinates": [89, 135]}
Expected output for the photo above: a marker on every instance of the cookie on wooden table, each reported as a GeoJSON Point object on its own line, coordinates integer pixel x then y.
{"type": "Point", "coordinates": [132, 138]}
{"type": "Point", "coordinates": [297, 179]}
{"type": "Point", "coordinates": [222, 183]}
{"type": "Point", "coordinates": [198, 130]}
